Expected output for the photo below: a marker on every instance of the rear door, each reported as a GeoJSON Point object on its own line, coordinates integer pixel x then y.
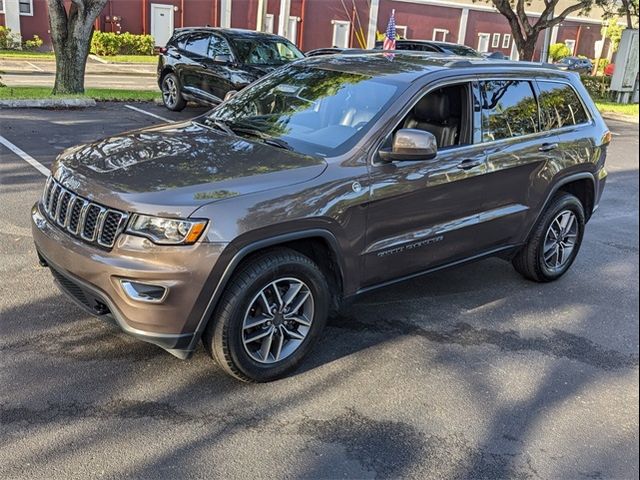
{"type": "Point", "coordinates": [520, 154]}
{"type": "Point", "coordinates": [218, 72]}
{"type": "Point", "coordinates": [563, 112]}
{"type": "Point", "coordinates": [194, 65]}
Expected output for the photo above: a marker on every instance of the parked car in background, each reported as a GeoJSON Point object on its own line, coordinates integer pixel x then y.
{"type": "Point", "coordinates": [495, 56]}
{"type": "Point", "coordinates": [331, 177]}
{"type": "Point", "coordinates": [575, 64]}
{"type": "Point", "coordinates": [333, 51]}
{"type": "Point", "coordinates": [432, 46]}
{"type": "Point", "coordinates": [204, 64]}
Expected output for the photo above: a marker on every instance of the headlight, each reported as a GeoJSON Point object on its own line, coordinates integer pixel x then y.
{"type": "Point", "coordinates": [166, 231]}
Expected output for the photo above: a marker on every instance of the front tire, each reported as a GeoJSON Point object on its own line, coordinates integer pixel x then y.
{"type": "Point", "coordinates": [269, 317]}
{"type": "Point", "coordinates": [171, 94]}
{"type": "Point", "coordinates": [554, 242]}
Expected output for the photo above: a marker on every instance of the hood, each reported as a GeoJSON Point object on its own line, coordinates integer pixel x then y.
{"type": "Point", "coordinates": [173, 169]}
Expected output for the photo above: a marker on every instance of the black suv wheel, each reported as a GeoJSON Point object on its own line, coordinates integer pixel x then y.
{"type": "Point", "coordinates": [555, 241]}
{"type": "Point", "coordinates": [171, 96]}
{"type": "Point", "coordinates": [269, 317]}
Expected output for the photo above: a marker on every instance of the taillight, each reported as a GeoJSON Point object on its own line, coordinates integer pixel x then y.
{"type": "Point", "coordinates": [606, 138]}
{"type": "Point", "coordinates": [162, 50]}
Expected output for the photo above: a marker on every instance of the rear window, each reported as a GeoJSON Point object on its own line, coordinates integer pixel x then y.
{"type": "Point", "coordinates": [560, 106]}
{"type": "Point", "coordinates": [198, 44]}
{"type": "Point", "coordinates": [509, 109]}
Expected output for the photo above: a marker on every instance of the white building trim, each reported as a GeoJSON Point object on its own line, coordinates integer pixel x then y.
{"type": "Point", "coordinates": [225, 13]}
{"type": "Point", "coordinates": [283, 18]}
{"type": "Point", "coordinates": [373, 23]}
{"type": "Point", "coordinates": [487, 8]}
{"type": "Point", "coordinates": [462, 29]}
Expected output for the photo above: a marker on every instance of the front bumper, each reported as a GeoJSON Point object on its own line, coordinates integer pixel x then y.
{"type": "Point", "coordinates": [92, 278]}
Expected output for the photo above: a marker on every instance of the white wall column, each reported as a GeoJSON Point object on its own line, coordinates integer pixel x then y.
{"type": "Point", "coordinates": [373, 23]}
{"type": "Point", "coordinates": [12, 18]}
{"type": "Point", "coordinates": [554, 34]}
{"type": "Point", "coordinates": [462, 29]}
{"type": "Point", "coordinates": [283, 17]}
{"type": "Point", "coordinates": [225, 13]}
{"type": "Point", "coordinates": [262, 13]}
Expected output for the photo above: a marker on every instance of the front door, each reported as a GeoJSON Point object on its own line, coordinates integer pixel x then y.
{"type": "Point", "coordinates": [161, 23]}
{"type": "Point", "coordinates": [429, 212]}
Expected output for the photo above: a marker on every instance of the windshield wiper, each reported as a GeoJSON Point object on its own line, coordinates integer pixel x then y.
{"type": "Point", "coordinates": [274, 142]}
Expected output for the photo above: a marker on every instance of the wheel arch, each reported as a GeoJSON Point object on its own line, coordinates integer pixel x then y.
{"type": "Point", "coordinates": [581, 182]}
{"type": "Point", "coordinates": [318, 244]}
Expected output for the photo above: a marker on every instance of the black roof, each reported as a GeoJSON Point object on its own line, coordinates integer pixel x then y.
{"type": "Point", "coordinates": [231, 33]}
{"type": "Point", "coordinates": [406, 66]}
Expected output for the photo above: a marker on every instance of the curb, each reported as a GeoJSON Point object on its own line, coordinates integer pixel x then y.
{"type": "Point", "coordinates": [620, 118]}
{"type": "Point", "coordinates": [49, 103]}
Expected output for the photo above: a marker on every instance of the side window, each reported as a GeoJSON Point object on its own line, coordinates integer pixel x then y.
{"type": "Point", "coordinates": [509, 109]}
{"type": "Point", "coordinates": [560, 106]}
{"type": "Point", "coordinates": [445, 113]}
{"type": "Point", "coordinates": [219, 48]}
{"type": "Point", "coordinates": [198, 44]}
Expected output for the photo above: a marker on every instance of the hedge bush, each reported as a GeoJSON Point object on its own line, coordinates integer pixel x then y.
{"type": "Point", "coordinates": [34, 44]}
{"type": "Point", "coordinates": [598, 87]}
{"type": "Point", "coordinates": [558, 51]}
{"type": "Point", "coordinates": [109, 44]}
{"type": "Point", "coordinates": [8, 40]}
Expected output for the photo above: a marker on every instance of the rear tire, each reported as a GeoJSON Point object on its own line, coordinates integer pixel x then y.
{"type": "Point", "coordinates": [554, 242]}
{"type": "Point", "coordinates": [280, 299]}
{"type": "Point", "coordinates": [171, 94]}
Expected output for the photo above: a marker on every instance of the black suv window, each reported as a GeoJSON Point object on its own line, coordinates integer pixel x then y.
{"type": "Point", "coordinates": [219, 48]}
{"type": "Point", "coordinates": [560, 106]}
{"type": "Point", "coordinates": [509, 109]}
{"type": "Point", "coordinates": [198, 43]}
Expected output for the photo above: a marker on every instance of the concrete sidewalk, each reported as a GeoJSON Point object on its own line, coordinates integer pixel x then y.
{"type": "Point", "coordinates": [22, 66]}
{"type": "Point", "coordinates": [113, 80]}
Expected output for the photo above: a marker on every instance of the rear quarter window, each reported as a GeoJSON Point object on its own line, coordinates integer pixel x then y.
{"type": "Point", "coordinates": [509, 109]}
{"type": "Point", "coordinates": [560, 106]}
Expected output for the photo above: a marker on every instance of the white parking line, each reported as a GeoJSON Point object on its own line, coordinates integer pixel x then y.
{"type": "Point", "coordinates": [35, 67]}
{"type": "Point", "coordinates": [25, 156]}
{"type": "Point", "coordinates": [139, 110]}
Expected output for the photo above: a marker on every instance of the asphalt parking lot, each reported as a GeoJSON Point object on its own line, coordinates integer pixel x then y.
{"type": "Point", "coordinates": [470, 373]}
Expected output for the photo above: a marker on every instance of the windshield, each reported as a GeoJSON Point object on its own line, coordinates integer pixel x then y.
{"type": "Point", "coordinates": [310, 110]}
{"type": "Point", "coordinates": [266, 52]}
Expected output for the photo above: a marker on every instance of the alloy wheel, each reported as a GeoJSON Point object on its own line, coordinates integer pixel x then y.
{"type": "Point", "coordinates": [169, 92]}
{"type": "Point", "coordinates": [560, 240]}
{"type": "Point", "coordinates": [278, 320]}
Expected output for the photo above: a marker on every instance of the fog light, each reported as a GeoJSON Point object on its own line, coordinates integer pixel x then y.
{"type": "Point", "coordinates": [144, 292]}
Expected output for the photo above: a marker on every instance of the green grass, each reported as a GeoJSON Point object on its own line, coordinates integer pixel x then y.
{"type": "Point", "coordinates": [131, 59]}
{"type": "Point", "coordinates": [20, 55]}
{"type": "Point", "coordinates": [630, 109]}
{"type": "Point", "coordinates": [99, 94]}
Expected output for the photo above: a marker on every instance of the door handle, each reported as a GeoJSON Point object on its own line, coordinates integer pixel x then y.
{"type": "Point", "coordinates": [204, 65]}
{"type": "Point", "coordinates": [468, 164]}
{"type": "Point", "coordinates": [175, 55]}
{"type": "Point", "coordinates": [547, 147]}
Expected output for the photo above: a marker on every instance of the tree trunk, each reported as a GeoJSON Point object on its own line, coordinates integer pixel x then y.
{"type": "Point", "coordinates": [71, 60]}
{"type": "Point", "coordinates": [527, 47]}
{"type": "Point", "coordinates": [71, 32]}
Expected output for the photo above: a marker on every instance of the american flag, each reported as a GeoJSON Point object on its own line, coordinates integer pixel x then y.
{"type": "Point", "coordinates": [390, 35]}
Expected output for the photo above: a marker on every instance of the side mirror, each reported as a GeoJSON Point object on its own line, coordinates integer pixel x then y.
{"type": "Point", "coordinates": [230, 94]}
{"type": "Point", "coordinates": [410, 144]}
{"type": "Point", "coordinates": [222, 58]}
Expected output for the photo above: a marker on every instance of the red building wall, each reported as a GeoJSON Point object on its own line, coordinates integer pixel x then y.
{"type": "Point", "coordinates": [421, 19]}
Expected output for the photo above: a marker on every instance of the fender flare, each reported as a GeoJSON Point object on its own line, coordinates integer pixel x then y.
{"type": "Point", "coordinates": [246, 250]}
{"type": "Point", "coordinates": [554, 189]}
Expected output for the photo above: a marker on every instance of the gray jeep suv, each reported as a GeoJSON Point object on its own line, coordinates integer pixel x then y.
{"type": "Point", "coordinates": [329, 177]}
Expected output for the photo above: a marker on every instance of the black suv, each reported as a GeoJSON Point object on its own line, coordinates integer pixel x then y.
{"type": "Point", "coordinates": [204, 64]}
{"type": "Point", "coordinates": [329, 177]}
